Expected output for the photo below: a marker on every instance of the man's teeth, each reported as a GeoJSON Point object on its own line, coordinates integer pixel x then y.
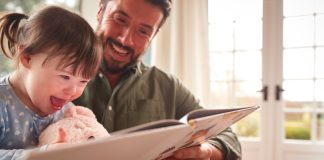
{"type": "Point", "coordinates": [119, 49]}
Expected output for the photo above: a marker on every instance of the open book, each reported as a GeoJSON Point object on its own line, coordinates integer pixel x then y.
{"type": "Point", "coordinates": [156, 140]}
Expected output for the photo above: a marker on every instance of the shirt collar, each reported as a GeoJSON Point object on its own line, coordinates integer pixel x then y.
{"type": "Point", "coordinates": [136, 68]}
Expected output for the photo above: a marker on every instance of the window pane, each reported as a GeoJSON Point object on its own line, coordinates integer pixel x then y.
{"type": "Point", "coordinates": [68, 3]}
{"type": "Point", "coordinates": [221, 66]}
{"type": "Point", "coordinates": [246, 93]}
{"type": "Point", "coordinates": [299, 91]}
{"type": "Point", "coordinates": [320, 104]}
{"type": "Point", "coordinates": [298, 63]}
{"type": "Point", "coordinates": [247, 9]}
{"type": "Point", "coordinates": [307, 105]}
{"type": "Point", "coordinates": [299, 31]}
{"type": "Point", "coordinates": [298, 126]}
{"type": "Point", "coordinates": [298, 7]}
{"type": "Point", "coordinates": [319, 91]}
{"type": "Point", "coordinates": [320, 127]}
{"type": "Point", "coordinates": [248, 65]}
{"type": "Point", "coordinates": [221, 37]}
{"type": "Point", "coordinates": [220, 11]}
{"type": "Point", "coordinates": [248, 35]}
{"type": "Point", "coordinates": [248, 126]}
{"type": "Point", "coordinates": [19, 6]}
{"type": "Point", "coordinates": [319, 62]}
{"type": "Point", "coordinates": [319, 5]}
{"type": "Point", "coordinates": [320, 29]}
{"type": "Point", "coordinates": [221, 94]}
{"type": "Point", "coordinates": [25, 6]}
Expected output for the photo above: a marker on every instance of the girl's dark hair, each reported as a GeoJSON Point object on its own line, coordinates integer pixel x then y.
{"type": "Point", "coordinates": [164, 5]}
{"type": "Point", "coordinates": [55, 32]}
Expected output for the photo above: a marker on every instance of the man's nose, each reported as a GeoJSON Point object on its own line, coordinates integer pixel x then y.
{"type": "Point", "coordinates": [126, 37]}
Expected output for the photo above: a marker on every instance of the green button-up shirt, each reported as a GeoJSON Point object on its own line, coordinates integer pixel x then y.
{"type": "Point", "coordinates": [143, 95]}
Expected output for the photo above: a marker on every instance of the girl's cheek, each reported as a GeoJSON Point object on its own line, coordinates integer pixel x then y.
{"type": "Point", "coordinates": [79, 92]}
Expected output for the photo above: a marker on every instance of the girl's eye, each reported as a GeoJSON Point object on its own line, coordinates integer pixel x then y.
{"type": "Point", "coordinates": [84, 82]}
{"type": "Point", "coordinates": [65, 77]}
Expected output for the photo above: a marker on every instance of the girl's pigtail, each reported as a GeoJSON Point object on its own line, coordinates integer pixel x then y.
{"type": "Point", "coordinates": [9, 32]}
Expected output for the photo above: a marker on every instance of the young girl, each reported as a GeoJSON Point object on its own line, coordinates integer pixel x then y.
{"type": "Point", "coordinates": [56, 53]}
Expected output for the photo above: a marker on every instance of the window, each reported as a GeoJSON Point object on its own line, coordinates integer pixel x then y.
{"type": "Point", "coordinates": [235, 40]}
{"type": "Point", "coordinates": [23, 6]}
{"type": "Point", "coordinates": [303, 74]}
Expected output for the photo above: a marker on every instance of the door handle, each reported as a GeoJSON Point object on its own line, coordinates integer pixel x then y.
{"type": "Point", "coordinates": [278, 91]}
{"type": "Point", "coordinates": [264, 91]}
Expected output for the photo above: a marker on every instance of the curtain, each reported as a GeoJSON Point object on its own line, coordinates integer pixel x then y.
{"type": "Point", "coordinates": [181, 46]}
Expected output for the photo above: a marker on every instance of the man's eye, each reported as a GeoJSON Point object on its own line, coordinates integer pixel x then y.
{"type": "Point", "coordinates": [120, 20]}
{"type": "Point", "coordinates": [145, 32]}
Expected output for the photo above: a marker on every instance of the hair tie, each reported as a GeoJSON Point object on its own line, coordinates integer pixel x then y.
{"type": "Point", "coordinates": [23, 20]}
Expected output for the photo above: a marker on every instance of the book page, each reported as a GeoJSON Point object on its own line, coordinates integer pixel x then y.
{"type": "Point", "coordinates": [208, 112]}
{"type": "Point", "coordinates": [148, 126]}
{"type": "Point", "coordinates": [206, 127]}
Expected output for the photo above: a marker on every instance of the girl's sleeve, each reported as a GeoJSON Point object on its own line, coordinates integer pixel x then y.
{"type": "Point", "coordinates": [16, 154]}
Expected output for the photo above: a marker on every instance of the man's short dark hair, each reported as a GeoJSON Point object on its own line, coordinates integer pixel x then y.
{"type": "Point", "coordinates": [164, 5]}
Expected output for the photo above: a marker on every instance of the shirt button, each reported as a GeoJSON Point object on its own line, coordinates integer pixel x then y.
{"type": "Point", "coordinates": [110, 108]}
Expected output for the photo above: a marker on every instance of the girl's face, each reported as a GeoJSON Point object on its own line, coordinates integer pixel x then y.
{"type": "Point", "coordinates": [49, 88]}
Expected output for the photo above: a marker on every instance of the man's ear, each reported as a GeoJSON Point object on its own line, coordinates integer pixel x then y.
{"type": "Point", "coordinates": [100, 12]}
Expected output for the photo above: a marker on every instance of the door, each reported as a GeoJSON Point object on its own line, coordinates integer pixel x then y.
{"type": "Point", "coordinates": [299, 109]}
{"type": "Point", "coordinates": [270, 53]}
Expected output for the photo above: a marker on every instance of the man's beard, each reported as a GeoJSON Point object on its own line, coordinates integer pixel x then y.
{"type": "Point", "coordinates": [114, 67]}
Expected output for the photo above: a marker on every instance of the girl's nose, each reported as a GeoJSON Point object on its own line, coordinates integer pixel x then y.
{"type": "Point", "coordinates": [70, 90]}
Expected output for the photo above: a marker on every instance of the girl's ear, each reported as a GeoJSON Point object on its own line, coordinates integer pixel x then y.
{"type": "Point", "coordinates": [25, 60]}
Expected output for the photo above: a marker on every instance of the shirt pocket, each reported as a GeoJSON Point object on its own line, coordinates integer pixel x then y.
{"type": "Point", "coordinates": [144, 111]}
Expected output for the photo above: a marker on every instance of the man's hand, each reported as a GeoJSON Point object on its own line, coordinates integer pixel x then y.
{"type": "Point", "coordinates": [204, 151]}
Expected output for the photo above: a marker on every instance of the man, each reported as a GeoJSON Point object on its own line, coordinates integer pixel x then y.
{"type": "Point", "coordinates": [126, 93]}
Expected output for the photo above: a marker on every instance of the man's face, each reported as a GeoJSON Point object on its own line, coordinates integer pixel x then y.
{"type": "Point", "coordinates": [127, 27]}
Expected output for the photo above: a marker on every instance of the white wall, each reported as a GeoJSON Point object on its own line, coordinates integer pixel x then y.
{"type": "Point", "coordinates": [89, 10]}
